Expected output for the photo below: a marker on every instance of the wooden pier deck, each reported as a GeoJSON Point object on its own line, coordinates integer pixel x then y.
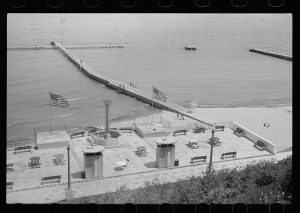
{"type": "Point", "coordinates": [289, 58]}
{"type": "Point", "coordinates": [67, 47]}
{"type": "Point", "coordinates": [129, 90]}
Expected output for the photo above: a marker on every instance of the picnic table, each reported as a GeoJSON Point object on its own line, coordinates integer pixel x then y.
{"type": "Point", "coordinates": [193, 145]}
{"type": "Point", "coordinates": [34, 162]}
{"type": "Point", "coordinates": [59, 159]}
{"type": "Point", "coordinates": [141, 151]}
{"type": "Point", "coordinates": [215, 141]}
{"type": "Point", "coordinates": [121, 164]}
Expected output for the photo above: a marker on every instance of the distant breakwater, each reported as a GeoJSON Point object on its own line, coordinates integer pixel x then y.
{"type": "Point", "coordinates": [289, 58]}
{"type": "Point", "coordinates": [67, 47]}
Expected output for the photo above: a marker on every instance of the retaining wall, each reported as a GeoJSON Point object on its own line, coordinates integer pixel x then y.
{"type": "Point", "coordinates": [254, 137]}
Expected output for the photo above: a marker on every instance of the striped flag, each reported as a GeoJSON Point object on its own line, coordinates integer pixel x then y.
{"type": "Point", "coordinates": [58, 100]}
{"type": "Point", "coordinates": [159, 95]}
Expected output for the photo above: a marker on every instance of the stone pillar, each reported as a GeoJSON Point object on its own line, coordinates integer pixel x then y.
{"type": "Point", "coordinates": [107, 103]}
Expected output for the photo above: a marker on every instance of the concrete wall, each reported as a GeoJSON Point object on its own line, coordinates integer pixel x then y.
{"type": "Point", "coordinates": [149, 134]}
{"type": "Point", "coordinates": [254, 137]}
{"type": "Point", "coordinates": [106, 142]}
{"type": "Point", "coordinates": [52, 145]}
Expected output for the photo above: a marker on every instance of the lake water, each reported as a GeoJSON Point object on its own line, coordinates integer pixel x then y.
{"type": "Point", "coordinates": [222, 72]}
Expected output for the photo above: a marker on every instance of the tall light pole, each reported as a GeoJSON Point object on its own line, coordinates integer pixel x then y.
{"type": "Point", "coordinates": [211, 148]}
{"type": "Point", "coordinates": [69, 192]}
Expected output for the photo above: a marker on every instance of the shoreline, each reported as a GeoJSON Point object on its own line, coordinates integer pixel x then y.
{"type": "Point", "coordinates": [216, 114]}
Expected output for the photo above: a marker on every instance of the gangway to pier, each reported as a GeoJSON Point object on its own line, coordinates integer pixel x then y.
{"type": "Point", "coordinates": [128, 90]}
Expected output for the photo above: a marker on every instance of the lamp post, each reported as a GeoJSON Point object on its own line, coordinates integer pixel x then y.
{"type": "Point", "coordinates": [69, 192]}
{"type": "Point", "coordinates": [211, 148]}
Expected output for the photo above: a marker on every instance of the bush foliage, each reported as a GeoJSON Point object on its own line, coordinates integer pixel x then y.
{"type": "Point", "coordinates": [264, 182]}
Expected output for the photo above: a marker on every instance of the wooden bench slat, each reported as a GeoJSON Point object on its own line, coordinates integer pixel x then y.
{"type": "Point", "coordinates": [77, 134]}
{"type": "Point", "coordinates": [23, 148]}
{"type": "Point", "coordinates": [232, 154]}
{"type": "Point", "coordinates": [51, 178]}
{"type": "Point", "coordinates": [198, 158]}
{"type": "Point", "coordinates": [184, 131]}
{"type": "Point", "coordinates": [261, 145]}
{"type": "Point", "coordinates": [238, 132]}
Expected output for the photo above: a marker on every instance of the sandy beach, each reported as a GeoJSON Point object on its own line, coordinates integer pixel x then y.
{"type": "Point", "coordinates": [252, 118]}
{"type": "Point", "coordinates": [280, 119]}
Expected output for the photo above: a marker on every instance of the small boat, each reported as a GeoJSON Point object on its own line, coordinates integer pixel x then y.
{"type": "Point", "coordinates": [187, 47]}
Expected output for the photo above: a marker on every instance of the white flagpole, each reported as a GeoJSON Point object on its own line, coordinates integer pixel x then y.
{"type": "Point", "coordinates": [50, 114]}
{"type": "Point", "coordinates": [152, 106]}
{"type": "Point", "coordinates": [62, 30]}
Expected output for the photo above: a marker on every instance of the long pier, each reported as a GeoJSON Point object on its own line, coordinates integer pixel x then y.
{"type": "Point", "coordinates": [67, 47]}
{"type": "Point", "coordinates": [128, 90]}
{"type": "Point", "coordinates": [289, 58]}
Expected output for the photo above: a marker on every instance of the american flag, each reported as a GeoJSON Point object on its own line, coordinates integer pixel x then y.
{"type": "Point", "coordinates": [58, 100]}
{"type": "Point", "coordinates": [159, 95]}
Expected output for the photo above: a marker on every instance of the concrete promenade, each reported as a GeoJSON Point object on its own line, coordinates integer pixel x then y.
{"type": "Point", "coordinates": [129, 90]}
{"type": "Point", "coordinates": [56, 193]}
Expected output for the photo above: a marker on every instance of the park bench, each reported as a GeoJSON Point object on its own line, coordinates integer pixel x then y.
{"type": "Point", "coordinates": [22, 149]}
{"type": "Point", "coordinates": [141, 151]}
{"type": "Point", "coordinates": [239, 132]}
{"type": "Point", "coordinates": [193, 145]}
{"type": "Point", "coordinates": [215, 141]}
{"type": "Point", "coordinates": [48, 179]}
{"type": "Point", "coordinates": [199, 130]}
{"type": "Point", "coordinates": [219, 128]}
{"type": "Point", "coordinates": [9, 185]}
{"type": "Point", "coordinates": [183, 131]}
{"type": "Point", "coordinates": [9, 167]}
{"type": "Point", "coordinates": [260, 145]}
{"type": "Point", "coordinates": [125, 129]}
{"type": "Point", "coordinates": [198, 159]}
{"type": "Point", "coordinates": [228, 154]}
{"type": "Point", "coordinates": [76, 134]}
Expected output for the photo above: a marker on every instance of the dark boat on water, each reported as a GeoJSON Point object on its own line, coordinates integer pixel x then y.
{"type": "Point", "coordinates": [187, 47]}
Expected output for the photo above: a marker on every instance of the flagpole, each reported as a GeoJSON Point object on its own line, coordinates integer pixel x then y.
{"type": "Point", "coordinates": [62, 30]}
{"type": "Point", "coordinates": [152, 106]}
{"type": "Point", "coordinates": [50, 113]}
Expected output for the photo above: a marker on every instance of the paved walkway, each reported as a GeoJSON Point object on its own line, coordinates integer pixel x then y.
{"type": "Point", "coordinates": [94, 187]}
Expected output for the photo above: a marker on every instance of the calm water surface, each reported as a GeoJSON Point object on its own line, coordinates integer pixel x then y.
{"type": "Point", "coordinates": [222, 72]}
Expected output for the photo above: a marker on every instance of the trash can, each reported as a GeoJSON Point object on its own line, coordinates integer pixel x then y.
{"type": "Point", "coordinates": [176, 162]}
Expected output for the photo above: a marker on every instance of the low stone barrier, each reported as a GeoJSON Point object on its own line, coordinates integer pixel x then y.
{"type": "Point", "coordinates": [271, 147]}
